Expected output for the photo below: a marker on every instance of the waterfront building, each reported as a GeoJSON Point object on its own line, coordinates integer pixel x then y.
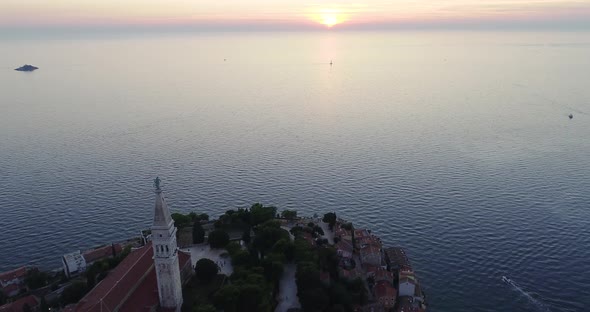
{"type": "Point", "coordinates": [378, 273]}
{"type": "Point", "coordinates": [397, 259]}
{"type": "Point", "coordinates": [385, 294]}
{"type": "Point", "coordinates": [371, 254]}
{"type": "Point", "coordinates": [73, 263]}
{"type": "Point", "coordinates": [150, 278]}
{"type": "Point", "coordinates": [11, 282]}
{"type": "Point", "coordinates": [76, 262]}
{"type": "Point", "coordinates": [407, 285]}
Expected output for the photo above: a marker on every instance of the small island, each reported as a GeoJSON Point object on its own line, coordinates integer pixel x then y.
{"type": "Point", "coordinates": [27, 68]}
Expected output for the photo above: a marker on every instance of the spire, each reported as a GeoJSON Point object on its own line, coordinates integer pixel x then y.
{"type": "Point", "coordinates": [162, 216]}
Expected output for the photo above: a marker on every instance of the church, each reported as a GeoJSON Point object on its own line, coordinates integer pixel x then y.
{"type": "Point", "coordinates": [150, 278]}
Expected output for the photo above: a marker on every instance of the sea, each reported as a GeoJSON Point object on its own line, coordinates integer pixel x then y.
{"type": "Point", "coordinates": [456, 145]}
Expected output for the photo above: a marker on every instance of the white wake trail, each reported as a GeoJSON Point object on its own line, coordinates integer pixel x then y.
{"type": "Point", "coordinates": [538, 304]}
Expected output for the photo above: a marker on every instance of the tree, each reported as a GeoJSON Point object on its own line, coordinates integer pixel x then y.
{"type": "Point", "coordinates": [43, 304]}
{"type": "Point", "coordinates": [347, 226]}
{"type": "Point", "coordinates": [328, 261]}
{"type": "Point", "coordinates": [91, 276]}
{"type": "Point", "coordinates": [303, 251]}
{"type": "Point", "coordinates": [241, 258]}
{"type": "Point", "coordinates": [273, 270]}
{"type": "Point", "coordinates": [181, 220]}
{"type": "Point", "coordinates": [198, 216]}
{"type": "Point", "coordinates": [307, 276]}
{"type": "Point", "coordinates": [253, 297]}
{"type": "Point", "coordinates": [268, 234]}
{"type": "Point", "coordinates": [218, 239]}
{"type": "Point", "coordinates": [232, 248]}
{"type": "Point", "coordinates": [339, 295]}
{"type": "Point", "coordinates": [198, 233]}
{"type": "Point", "coordinates": [289, 214]}
{"type": "Point", "coordinates": [260, 214]}
{"type": "Point", "coordinates": [314, 299]}
{"type": "Point", "coordinates": [246, 236]}
{"type": "Point", "coordinates": [36, 279]}
{"type": "Point", "coordinates": [226, 298]}
{"type": "Point", "coordinates": [318, 229]}
{"type": "Point", "coordinates": [204, 308]}
{"type": "Point", "coordinates": [358, 291]}
{"type": "Point", "coordinates": [330, 218]}
{"type": "Point", "coordinates": [73, 293]}
{"type": "Point", "coordinates": [206, 270]}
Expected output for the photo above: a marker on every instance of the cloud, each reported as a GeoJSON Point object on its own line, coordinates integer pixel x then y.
{"type": "Point", "coordinates": [278, 13]}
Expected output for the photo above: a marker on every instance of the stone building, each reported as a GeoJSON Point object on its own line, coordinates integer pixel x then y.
{"type": "Point", "coordinates": [150, 278]}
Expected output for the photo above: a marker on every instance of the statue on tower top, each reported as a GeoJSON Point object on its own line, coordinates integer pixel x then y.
{"type": "Point", "coordinates": [157, 183]}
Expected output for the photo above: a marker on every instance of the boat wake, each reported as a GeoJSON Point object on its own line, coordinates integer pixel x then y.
{"type": "Point", "coordinates": [538, 304]}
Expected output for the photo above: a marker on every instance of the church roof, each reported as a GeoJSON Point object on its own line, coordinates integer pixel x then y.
{"type": "Point", "coordinates": [131, 286]}
{"type": "Point", "coordinates": [162, 216]}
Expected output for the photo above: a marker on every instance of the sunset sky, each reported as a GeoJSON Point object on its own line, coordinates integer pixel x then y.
{"type": "Point", "coordinates": [294, 14]}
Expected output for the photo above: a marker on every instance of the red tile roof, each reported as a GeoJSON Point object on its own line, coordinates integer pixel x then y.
{"type": "Point", "coordinates": [144, 297]}
{"type": "Point", "coordinates": [397, 258]}
{"type": "Point", "coordinates": [384, 289]}
{"type": "Point", "coordinates": [370, 249]}
{"type": "Point", "coordinates": [8, 276]}
{"type": "Point", "coordinates": [17, 306]}
{"type": "Point", "coordinates": [131, 286]}
{"type": "Point", "coordinates": [102, 252]}
{"type": "Point", "coordinates": [344, 245]}
{"type": "Point", "coordinates": [378, 273]}
{"type": "Point", "coordinates": [111, 291]}
{"type": "Point", "coordinates": [12, 289]}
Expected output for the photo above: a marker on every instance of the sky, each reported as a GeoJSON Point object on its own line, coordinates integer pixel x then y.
{"type": "Point", "coordinates": [295, 14]}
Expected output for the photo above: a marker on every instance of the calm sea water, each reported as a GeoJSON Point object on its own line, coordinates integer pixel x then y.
{"type": "Point", "coordinates": [456, 146]}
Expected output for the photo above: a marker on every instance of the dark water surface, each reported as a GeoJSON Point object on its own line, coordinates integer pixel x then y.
{"type": "Point", "coordinates": [456, 146]}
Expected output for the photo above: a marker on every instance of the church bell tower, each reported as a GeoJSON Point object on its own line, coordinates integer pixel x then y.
{"type": "Point", "coordinates": [166, 253]}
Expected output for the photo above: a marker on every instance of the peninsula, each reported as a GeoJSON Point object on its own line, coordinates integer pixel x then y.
{"type": "Point", "coordinates": [249, 259]}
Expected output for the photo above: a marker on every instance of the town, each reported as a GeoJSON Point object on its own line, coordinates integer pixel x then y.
{"type": "Point", "coordinates": [254, 259]}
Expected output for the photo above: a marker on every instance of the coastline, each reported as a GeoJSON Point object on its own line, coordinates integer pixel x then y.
{"type": "Point", "coordinates": [386, 271]}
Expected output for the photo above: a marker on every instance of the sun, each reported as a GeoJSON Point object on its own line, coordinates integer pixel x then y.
{"type": "Point", "coordinates": [328, 17]}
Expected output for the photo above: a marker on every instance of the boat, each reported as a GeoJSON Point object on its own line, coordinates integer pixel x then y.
{"type": "Point", "coordinates": [571, 116]}
{"type": "Point", "coordinates": [506, 280]}
{"type": "Point", "coordinates": [27, 68]}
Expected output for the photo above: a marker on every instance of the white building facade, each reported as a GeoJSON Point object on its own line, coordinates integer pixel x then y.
{"type": "Point", "coordinates": [407, 287]}
{"type": "Point", "coordinates": [73, 264]}
{"type": "Point", "coordinates": [166, 254]}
